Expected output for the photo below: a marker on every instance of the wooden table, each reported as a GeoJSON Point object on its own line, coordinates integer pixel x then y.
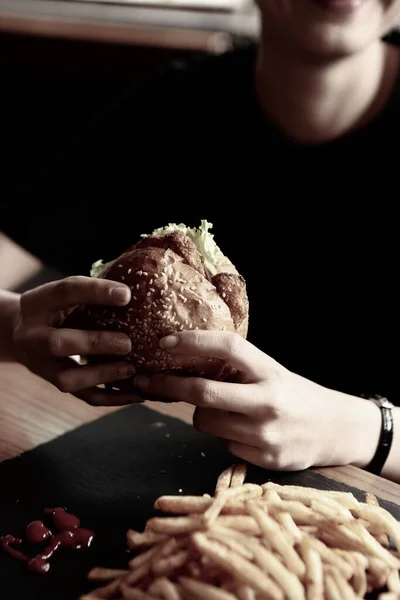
{"type": "Point", "coordinates": [194, 30]}
{"type": "Point", "coordinates": [33, 412]}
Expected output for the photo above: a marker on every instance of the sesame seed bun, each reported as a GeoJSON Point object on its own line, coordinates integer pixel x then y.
{"type": "Point", "coordinates": [171, 290]}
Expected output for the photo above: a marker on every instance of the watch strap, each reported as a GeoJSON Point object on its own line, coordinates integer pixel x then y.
{"type": "Point", "coordinates": [386, 438]}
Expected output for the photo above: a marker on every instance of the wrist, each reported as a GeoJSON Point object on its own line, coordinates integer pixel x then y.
{"type": "Point", "coordinates": [356, 434]}
{"type": "Point", "coordinates": [368, 435]}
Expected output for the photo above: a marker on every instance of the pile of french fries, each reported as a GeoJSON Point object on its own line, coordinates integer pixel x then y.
{"type": "Point", "coordinates": [253, 542]}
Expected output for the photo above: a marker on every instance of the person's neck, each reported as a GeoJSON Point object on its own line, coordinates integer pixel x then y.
{"type": "Point", "coordinates": [318, 102]}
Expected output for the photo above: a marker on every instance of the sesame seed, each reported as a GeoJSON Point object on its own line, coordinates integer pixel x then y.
{"type": "Point", "coordinates": [181, 328]}
{"type": "Point", "coordinates": [199, 301]}
{"type": "Point", "coordinates": [122, 278]}
{"type": "Point", "coordinates": [135, 298]}
{"type": "Point", "coordinates": [148, 294]}
{"type": "Point", "coordinates": [113, 315]}
{"type": "Point", "coordinates": [139, 272]}
{"type": "Point", "coordinates": [120, 266]}
{"type": "Point", "coordinates": [152, 290]}
{"type": "Point", "coordinates": [130, 309]}
{"type": "Point", "coordinates": [162, 293]}
{"type": "Point", "coordinates": [137, 286]}
{"type": "Point", "coordinates": [205, 321]}
{"type": "Point", "coordinates": [155, 276]}
{"type": "Point", "coordinates": [145, 273]}
{"type": "Point", "coordinates": [223, 295]}
{"type": "Point", "coordinates": [170, 281]}
{"type": "Point", "coordinates": [151, 281]}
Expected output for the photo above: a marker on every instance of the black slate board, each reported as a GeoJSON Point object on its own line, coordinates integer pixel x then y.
{"type": "Point", "coordinates": [109, 473]}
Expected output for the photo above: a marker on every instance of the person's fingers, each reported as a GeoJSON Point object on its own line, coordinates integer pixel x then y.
{"type": "Point", "coordinates": [230, 426]}
{"type": "Point", "coordinates": [240, 398]}
{"type": "Point", "coordinates": [251, 454]}
{"type": "Point", "coordinates": [238, 352]}
{"type": "Point", "coordinates": [70, 342]}
{"type": "Point", "coordinates": [102, 397]}
{"type": "Point", "coordinates": [73, 291]}
{"type": "Point", "coordinates": [78, 378]}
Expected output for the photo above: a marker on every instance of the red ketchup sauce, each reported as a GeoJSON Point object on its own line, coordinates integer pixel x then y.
{"type": "Point", "coordinates": [70, 535]}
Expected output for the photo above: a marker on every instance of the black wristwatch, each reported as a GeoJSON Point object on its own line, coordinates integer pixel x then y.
{"type": "Point", "coordinates": [385, 442]}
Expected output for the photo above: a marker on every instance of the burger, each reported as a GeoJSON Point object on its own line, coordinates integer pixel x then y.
{"type": "Point", "coordinates": [179, 280]}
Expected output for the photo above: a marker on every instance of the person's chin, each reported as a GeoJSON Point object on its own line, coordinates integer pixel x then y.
{"type": "Point", "coordinates": [343, 27]}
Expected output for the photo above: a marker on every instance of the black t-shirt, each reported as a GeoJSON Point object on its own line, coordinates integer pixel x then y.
{"type": "Point", "coordinates": [313, 229]}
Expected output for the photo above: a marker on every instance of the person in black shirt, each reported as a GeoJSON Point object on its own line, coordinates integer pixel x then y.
{"type": "Point", "coordinates": [289, 148]}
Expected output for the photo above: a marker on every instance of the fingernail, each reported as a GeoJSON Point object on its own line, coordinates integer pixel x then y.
{"type": "Point", "coordinates": [142, 382]}
{"type": "Point", "coordinates": [120, 294]}
{"type": "Point", "coordinates": [126, 371]}
{"type": "Point", "coordinates": [169, 342]}
{"type": "Point", "coordinates": [121, 345]}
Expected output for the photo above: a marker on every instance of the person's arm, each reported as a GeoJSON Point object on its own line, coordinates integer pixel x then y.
{"type": "Point", "coordinates": [9, 307]}
{"type": "Point", "coordinates": [272, 417]}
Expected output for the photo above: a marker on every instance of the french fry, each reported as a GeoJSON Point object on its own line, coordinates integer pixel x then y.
{"type": "Point", "coordinates": [166, 565]}
{"type": "Point", "coordinates": [142, 559]}
{"type": "Point", "coordinates": [245, 491]}
{"type": "Point", "coordinates": [382, 518]}
{"type": "Point", "coordinates": [183, 504]}
{"type": "Point", "coordinates": [176, 525]}
{"type": "Point", "coordinates": [101, 574]}
{"type": "Point", "coordinates": [273, 534]}
{"type": "Point", "coordinates": [288, 582]}
{"type": "Point", "coordinates": [393, 581]}
{"type": "Point", "coordinates": [245, 592]}
{"type": "Point", "coordinates": [201, 590]}
{"type": "Point", "coordinates": [314, 578]}
{"type": "Point", "coordinates": [288, 524]}
{"type": "Point", "coordinates": [129, 593]}
{"type": "Point", "coordinates": [224, 480]}
{"type": "Point", "coordinates": [242, 569]}
{"type": "Point", "coordinates": [333, 558]}
{"type": "Point", "coordinates": [306, 495]}
{"type": "Point", "coordinates": [225, 537]}
{"type": "Point", "coordinates": [238, 475]}
{"type": "Point", "coordinates": [345, 590]}
{"type": "Point", "coordinates": [136, 539]}
{"type": "Point", "coordinates": [374, 547]}
{"type": "Point", "coordinates": [251, 542]}
{"type": "Point", "coordinates": [332, 591]}
{"type": "Point", "coordinates": [165, 589]}
{"type": "Point", "coordinates": [108, 591]}
{"type": "Point", "coordinates": [332, 510]}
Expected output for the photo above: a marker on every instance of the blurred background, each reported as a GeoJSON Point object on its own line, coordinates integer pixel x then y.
{"type": "Point", "coordinates": [60, 59]}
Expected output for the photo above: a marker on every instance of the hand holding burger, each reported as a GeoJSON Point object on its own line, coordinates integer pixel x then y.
{"type": "Point", "coordinates": [179, 281]}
